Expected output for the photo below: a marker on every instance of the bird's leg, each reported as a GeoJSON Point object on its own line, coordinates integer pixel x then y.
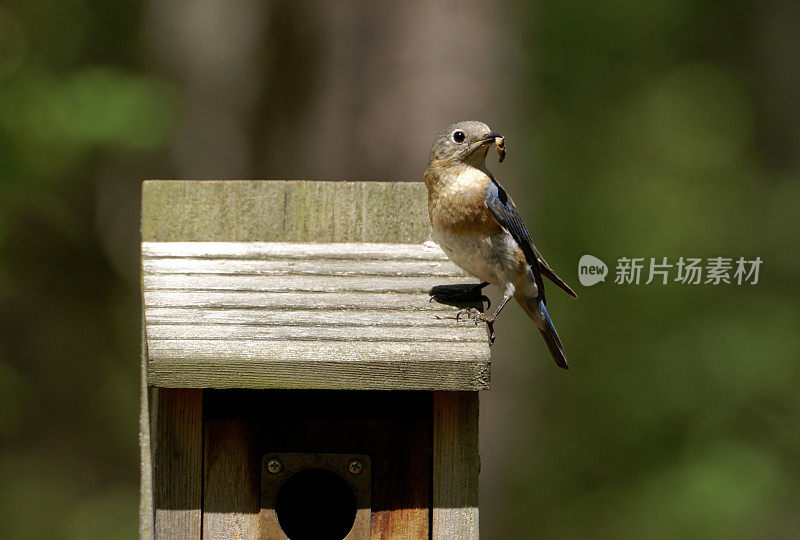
{"type": "Point", "coordinates": [473, 313]}
{"type": "Point", "coordinates": [447, 294]}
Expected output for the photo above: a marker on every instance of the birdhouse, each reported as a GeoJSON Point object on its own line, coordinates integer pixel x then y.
{"type": "Point", "coordinates": [297, 380]}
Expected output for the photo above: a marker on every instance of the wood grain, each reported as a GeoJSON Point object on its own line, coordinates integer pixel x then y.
{"type": "Point", "coordinates": [344, 354]}
{"type": "Point", "coordinates": [284, 211]}
{"type": "Point", "coordinates": [320, 267]}
{"type": "Point", "coordinates": [231, 499]}
{"type": "Point", "coordinates": [293, 300]}
{"type": "Point", "coordinates": [456, 464]}
{"type": "Point", "coordinates": [294, 250]}
{"type": "Point", "coordinates": [178, 464]}
{"type": "Point", "coordinates": [258, 332]}
{"type": "Point", "coordinates": [299, 317]}
{"type": "Point", "coordinates": [288, 283]}
{"type": "Point", "coordinates": [218, 316]}
{"type": "Point", "coordinates": [309, 374]}
{"type": "Point", "coordinates": [146, 512]}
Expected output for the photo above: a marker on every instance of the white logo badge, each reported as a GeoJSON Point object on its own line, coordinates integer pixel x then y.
{"type": "Point", "coordinates": [591, 270]}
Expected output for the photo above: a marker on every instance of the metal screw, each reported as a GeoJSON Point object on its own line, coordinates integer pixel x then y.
{"type": "Point", "coordinates": [274, 466]}
{"type": "Point", "coordinates": [355, 467]}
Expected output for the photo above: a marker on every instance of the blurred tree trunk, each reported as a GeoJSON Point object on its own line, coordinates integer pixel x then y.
{"type": "Point", "coordinates": [213, 50]}
{"type": "Point", "coordinates": [349, 89]}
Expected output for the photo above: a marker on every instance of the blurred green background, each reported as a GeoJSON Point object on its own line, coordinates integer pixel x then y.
{"type": "Point", "coordinates": [635, 129]}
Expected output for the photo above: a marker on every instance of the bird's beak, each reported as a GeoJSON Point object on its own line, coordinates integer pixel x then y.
{"type": "Point", "coordinates": [490, 137]}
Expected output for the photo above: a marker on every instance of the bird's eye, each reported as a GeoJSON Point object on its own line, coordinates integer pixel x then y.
{"type": "Point", "coordinates": [458, 136]}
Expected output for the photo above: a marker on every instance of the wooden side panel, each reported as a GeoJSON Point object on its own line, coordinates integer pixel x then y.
{"type": "Point", "coordinates": [178, 463]}
{"type": "Point", "coordinates": [392, 428]}
{"type": "Point", "coordinates": [231, 501]}
{"type": "Point", "coordinates": [456, 465]}
{"type": "Point", "coordinates": [280, 210]}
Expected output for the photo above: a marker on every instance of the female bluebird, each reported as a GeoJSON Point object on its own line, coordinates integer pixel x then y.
{"type": "Point", "coordinates": [478, 227]}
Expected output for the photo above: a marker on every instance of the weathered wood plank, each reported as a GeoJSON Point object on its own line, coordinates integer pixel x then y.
{"type": "Point", "coordinates": [335, 351]}
{"type": "Point", "coordinates": [456, 464]}
{"type": "Point", "coordinates": [294, 250]}
{"type": "Point", "coordinates": [212, 282]}
{"type": "Point", "coordinates": [314, 333]}
{"type": "Point", "coordinates": [284, 211]}
{"type": "Point", "coordinates": [324, 267]}
{"type": "Point", "coordinates": [306, 317]}
{"type": "Point", "coordinates": [318, 373]}
{"type": "Point", "coordinates": [231, 500]}
{"type": "Point", "coordinates": [178, 463]}
{"type": "Point", "coordinates": [146, 512]}
{"type": "Point", "coordinates": [292, 300]}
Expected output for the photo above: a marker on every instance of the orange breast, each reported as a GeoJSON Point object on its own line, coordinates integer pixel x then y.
{"type": "Point", "coordinates": [459, 207]}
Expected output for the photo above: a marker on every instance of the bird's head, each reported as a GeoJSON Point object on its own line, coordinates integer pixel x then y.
{"type": "Point", "coordinates": [465, 142]}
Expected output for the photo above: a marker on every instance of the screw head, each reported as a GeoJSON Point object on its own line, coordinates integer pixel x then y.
{"type": "Point", "coordinates": [274, 466]}
{"type": "Point", "coordinates": [355, 467]}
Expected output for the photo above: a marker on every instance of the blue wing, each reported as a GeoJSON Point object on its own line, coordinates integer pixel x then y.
{"type": "Point", "coordinates": [505, 212]}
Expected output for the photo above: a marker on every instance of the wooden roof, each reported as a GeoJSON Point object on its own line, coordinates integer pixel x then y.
{"type": "Point", "coordinates": [234, 311]}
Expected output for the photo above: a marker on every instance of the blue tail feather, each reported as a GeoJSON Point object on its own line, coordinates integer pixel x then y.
{"type": "Point", "coordinates": [551, 338]}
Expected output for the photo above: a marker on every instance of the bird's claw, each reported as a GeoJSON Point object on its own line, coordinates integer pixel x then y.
{"type": "Point", "coordinates": [470, 313]}
{"type": "Point", "coordinates": [478, 316]}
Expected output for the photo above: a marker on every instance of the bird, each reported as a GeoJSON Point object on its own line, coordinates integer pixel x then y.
{"type": "Point", "coordinates": [478, 227]}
